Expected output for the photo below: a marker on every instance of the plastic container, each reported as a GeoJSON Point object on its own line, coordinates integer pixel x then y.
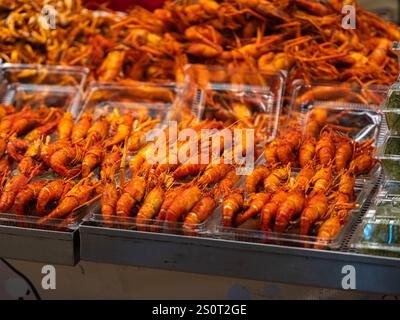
{"type": "Point", "coordinates": [387, 202]}
{"type": "Point", "coordinates": [55, 241]}
{"type": "Point", "coordinates": [155, 100]}
{"type": "Point", "coordinates": [231, 95]}
{"type": "Point", "coordinates": [388, 208]}
{"type": "Point", "coordinates": [389, 155]}
{"type": "Point", "coordinates": [391, 108]}
{"type": "Point", "coordinates": [138, 98]}
{"type": "Point", "coordinates": [378, 237]}
{"type": "Point", "coordinates": [54, 86]}
{"type": "Point", "coordinates": [389, 189]}
{"type": "Point", "coordinates": [353, 111]}
{"type": "Point", "coordinates": [94, 218]}
{"type": "Point", "coordinates": [250, 230]}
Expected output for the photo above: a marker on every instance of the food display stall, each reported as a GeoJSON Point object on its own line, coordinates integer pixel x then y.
{"type": "Point", "coordinates": [217, 140]}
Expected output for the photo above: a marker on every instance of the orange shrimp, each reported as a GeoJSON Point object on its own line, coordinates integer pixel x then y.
{"type": "Point", "coordinates": [67, 156]}
{"type": "Point", "coordinates": [200, 212]}
{"type": "Point", "coordinates": [268, 212]}
{"type": "Point", "coordinates": [138, 160]}
{"type": "Point", "coordinates": [346, 183]}
{"type": "Point", "coordinates": [75, 198]}
{"type": "Point", "coordinates": [28, 164]}
{"type": "Point", "coordinates": [151, 205]}
{"type": "Point", "coordinates": [314, 7]}
{"type": "Point", "coordinates": [110, 163]}
{"type": "Point", "coordinates": [315, 209]}
{"type": "Point", "coordinates": [81, 128]}
{"type": "Point", "coordinates": [312, 129]}
{"type": "Point", "coordinates": [322, 180]}
{"type": "Point", "coordinates": [98, 131]}
{"type": "Point", "coordinates": [41, 131]}
{"type": "Point", "coordinates": [8, 120]}
{"type": "Point", "coordinates": [6, 110]}
{"type": "Point", "coordinates": [293, 137]}
{"type": "Point", "coordinates": [11, 189]}
{"type": "Point", "coordinates": [344, 154]}
{"type": "Point", "coordinates": [29, 120]}
{"type": "Point", "coordinates": [214, 173]}
{"type": "Point", "coordinates": [328, 230]}
{"type": "Point", "coordinates": [255, 178]}
{"type": "Point", "coordinates": [93, 157]}
{"type": "Point", "coordinates": [24, 197]}
{"type": "Point", "coordinates": [4, 165]}
{"type": "Point", "coordinates": [53, 191]}
{"type": "Point", "coordinates": [270, 153]}
{"type": "Point", "coordinates": [307, 152]}
{"type": "Point", "coordinates": [109, 199]}
{"type": "Point", "coordinates": [132, 194]}
{"type": "Point", "coordinates": [256, 203]}
{"type": "Point", "coordinates": [325, 148]}
{"type": "Point", "coordinates": [137, 137]}
{"type": "Point", "coordinates": [65, 126]}
{"type": "Point", "coordinates": [48, 149]}
{"type": "Point", "coordinates": [3, 143]}
{"type": "Point", "coordinates": [304, 177]}
{"type": "Point", "coordinates": [123, 131]}
{"type": "Point", "coordinates": [16, 148]}
{"type": "Point", "coordinates": [363, 163]}
{"type": "Point", "coordinates": [276, 178]}
{"type": "Point", "coordinates": [231, 205]}
{"type": "Point", "coordinates": [227, 183]}
{"type": "Point", "coordinates": [183, 202]}
{"type": "Point", "coordinates": [190, 168]}
{"type": "Point", "coordinates": [169, 198]}
{"type": "Point", "coordinates": [288, 209]}
{"type": "Point", "coordinates": [285, 152]}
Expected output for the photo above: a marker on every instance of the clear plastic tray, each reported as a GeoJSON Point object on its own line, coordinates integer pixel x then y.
{"type": "Point", "coordinates": [378, 236]}
{"type": "Point", "coordinates": [389, 189]}
{"type": "Point", "coordinates": [252, 233]}
{"type": "Point", "coordinates": [387, 201]}
{"type": "Point", "coordinates": [113, 222]}
{"type": "Point", "coordinates": [351, 110]}
{"type": "Point", "coordinates": [386, 208]}
{"type": "Point", "coordinates": [389, 155]}
{"type": "Point", "coordinates": [54, 86]}
{"type": "Point", "coordinates": [142, 98]}
{"type": "Point", "coordinates": [233, 95]}
{"type": "Point", "coordinates": [391, 108]}
{"type": "Point", "coordinates": [44, 74]}
{"type": "Point", "coordinates": [155, 100]}
{"type": "Point", "coordinates": [31, 221]}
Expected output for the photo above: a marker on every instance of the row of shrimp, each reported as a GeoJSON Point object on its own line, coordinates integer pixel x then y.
{"type": "Point", "coordinates": [157, 193]}
{"type": "Point", "coordinates": [154, 205]}
{"type": "Point", "coordinates": [42, 141]}
{"type": "Point", "coordinates": [323, 145]}
{"type": "Point", "coordinates": [56, 199]}
{"type": "Point", "coordinates": [313, 203]}
{"type": "Point", "coordinates": [89, 143]}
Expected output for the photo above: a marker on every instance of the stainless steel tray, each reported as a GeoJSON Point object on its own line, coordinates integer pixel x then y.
{"type": "Point", "coordinates": [48, 246]}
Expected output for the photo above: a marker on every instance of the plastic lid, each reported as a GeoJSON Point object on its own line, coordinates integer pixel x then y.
{"type": "Point", "coordinates": [44, 74]}
{"type": "Point", "coordinates": [260, 92]}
